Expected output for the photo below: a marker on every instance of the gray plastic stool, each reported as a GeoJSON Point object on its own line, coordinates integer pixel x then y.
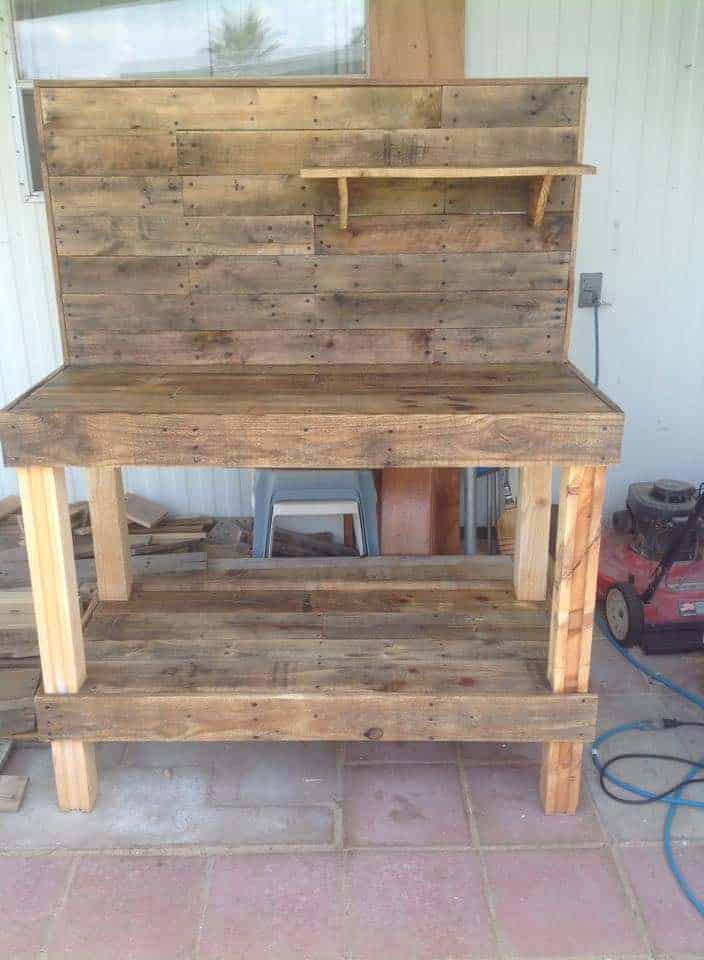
{"type": "Point", "coordinates": [274, 488]}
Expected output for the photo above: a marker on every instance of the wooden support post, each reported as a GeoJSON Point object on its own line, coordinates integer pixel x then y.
{"type": "Point", "coordinates": [572, 621]}
{"type": "Point", "coordinates": [108, 522]}
{"type": "Point", "coordinates": [530, 562]}
{"type": "Point", "coordinates": [55, 590]}
{"type": "Point", "coordinates": [538, 195]}
{"type": "Point", "coordinates": [344, 197]}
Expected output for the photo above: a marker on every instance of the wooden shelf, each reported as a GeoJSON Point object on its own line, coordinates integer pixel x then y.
{"type": "Point", "coordinates": [398, 649]}
{"type": "Point", "coordinates": [540, 175]}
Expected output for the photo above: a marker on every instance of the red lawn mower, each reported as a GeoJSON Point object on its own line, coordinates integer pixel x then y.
{"type": "Point", "coordinates": [651, 568]}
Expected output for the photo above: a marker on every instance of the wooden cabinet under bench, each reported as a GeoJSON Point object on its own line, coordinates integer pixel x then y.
{"type": "Point", "coordinates": [215, 311]}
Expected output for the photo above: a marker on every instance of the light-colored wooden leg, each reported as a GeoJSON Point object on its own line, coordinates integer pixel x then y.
{"type": "Point", "coordinates": [530, 562]}
{"type": "Point", "coordinates": [560, 776]}
{"type": "Point", "coordinates": [108, 522]}
{"type": "Point", "coordinates": [572, 620]}
{"type": "Point", "coordinates": [50, 553]}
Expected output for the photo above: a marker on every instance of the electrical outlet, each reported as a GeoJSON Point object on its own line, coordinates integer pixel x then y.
{"type": "Point", "coordinates": [589, 289]}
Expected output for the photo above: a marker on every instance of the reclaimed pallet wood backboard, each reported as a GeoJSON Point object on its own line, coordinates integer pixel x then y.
{"type": "Point", "coordinates": [180, 219]}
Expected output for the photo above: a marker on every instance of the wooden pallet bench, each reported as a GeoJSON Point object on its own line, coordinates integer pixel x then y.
{"type": "Point", "coordinates": [214, 313]}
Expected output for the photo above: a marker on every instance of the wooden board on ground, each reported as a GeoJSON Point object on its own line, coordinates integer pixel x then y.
{"type": "Point", "coordinates": [144, 512]}
{"type": "Point", "coordinates": [17, 689]}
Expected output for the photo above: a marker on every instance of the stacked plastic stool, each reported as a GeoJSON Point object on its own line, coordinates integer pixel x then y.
{"type": "Point", "coordinates": [291, 493]}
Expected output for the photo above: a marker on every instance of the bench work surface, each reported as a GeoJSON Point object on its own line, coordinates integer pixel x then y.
{"type": "Point", "coordinates": [325, 416]}
{"type": "Point", "coordinates": [411, 648]}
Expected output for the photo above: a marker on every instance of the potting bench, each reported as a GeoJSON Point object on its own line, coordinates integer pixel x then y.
{"type": "Point", "coordinates": [315, 274]}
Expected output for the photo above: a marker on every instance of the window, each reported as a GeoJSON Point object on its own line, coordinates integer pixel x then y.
{"type": "Point", "coordinates": [113, 39]}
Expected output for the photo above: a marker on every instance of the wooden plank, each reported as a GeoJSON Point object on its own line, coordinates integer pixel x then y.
{"type": "Point", "coordinates": [336, 440]}
{"type": "Point", "coordinates": [498, 344]}
{"type": "Point", "coordinates": [287, 152]}
{"type": "Point", "coordinates": [278, 716]}
{"type": "Point", "coordinates": [533, 532]}
{"type": "Point", "coordinates": [416, 39]}
{"type": "Point", "coordinates": [500, 233]}
{"type": "Point", "coordinates": [422, 171]}
{"type": "Point", "coordinates": [143, 312]}
{"type": "Point", "coordinates": [572, 621]}
{"type": "Point", "coordinates": [254, 274]}
{"type": "Point", "coordinates": [527, 103]}
{"type": "Point", "coordinates": [108, 521]}
{"type": "Point", "coordinates": [342, 573]}
{"type": "Point", "coordinates": [91, 313]}
{"type": "Point", "coordinates": [275, 194]}
{"type": "Point", "coordinates": [344, 202]}
{"type": "Point", "coordinates": [146, 236]}
{"type": "Point", "coordinates": [17, 689]}
{"type": "Point", "coordinates": [144, 512]}
{"type": "Point", "coordinates": [124, 274]}
{"type": "Point", "coordinates": [55, 590]}
{"type": "Point", "coordinates": [116, 196]}
{"type": "Point", "coordinates": [253, 107]}
{"type": "Point", "coordinates": [449, 310]}
{"type": "Point", "coordinates": [9, 506]}
{"type": "Point", "coordinates": [501, 196]}
{"type": "Point", "coordinates": [430, 272]}
{"type": "Point", "coordinates": [83, 154]}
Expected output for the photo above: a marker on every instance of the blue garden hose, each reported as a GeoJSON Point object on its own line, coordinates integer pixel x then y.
{"type": "Point", "coordinates": [673, 799]}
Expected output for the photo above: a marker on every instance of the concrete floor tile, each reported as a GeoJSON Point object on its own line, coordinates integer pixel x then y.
{"type": "Point", "coordinates": [30, 890]}
{"type": "Point", "coordinates": [395, 752]}
{"type": "Point", "coordinates": [611, 673]}
{"type": "Point", "coordinates": [673, 924]}
{"type": "Point", "coordinates": [507, 809]}
{"type": "Point", "coordinates": [559, 903]}
{"type": "Point", "coordinates": [404, 804]}
{"type": "Point", "coordinates": [491, 753]}
{"type": "Point", "coordinates": [278, 773]}
{"type": "Point", "coordinates": [274, 907]}
{"type": "Point", "coordinates": [147, 807]}
{"type": "Point", "coordinates": [416, 906]}
{"type": "Point", "coordinates": [165, 755]}
{"type": "Point", "coordinates": [130, 908]}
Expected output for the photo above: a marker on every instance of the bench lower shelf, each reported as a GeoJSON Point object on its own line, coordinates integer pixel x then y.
{"type": "Point", "coordinates": [350, 650]}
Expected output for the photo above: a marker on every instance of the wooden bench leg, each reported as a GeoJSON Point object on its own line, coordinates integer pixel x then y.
{"type": "Point", "coordinates": [108, 522]}
{"type": "Point", "coordinates": [572, 621]}
{"type": "Point", "coordinates": [530, 561]}
{"type": "Point", "coordinates": [55, 591]}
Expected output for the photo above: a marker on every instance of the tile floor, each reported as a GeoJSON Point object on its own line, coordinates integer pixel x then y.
{"type": "Point", "coordinates": [371, 851]}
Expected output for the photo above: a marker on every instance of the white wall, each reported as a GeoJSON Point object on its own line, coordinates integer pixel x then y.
{"type": "Point", "coordinates": [642, 225]}
{"type": "Point", "coordinates": [642, 219]}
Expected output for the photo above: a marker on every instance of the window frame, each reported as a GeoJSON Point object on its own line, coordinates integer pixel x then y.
{"type": "Point", "coordinates": [15, 88]}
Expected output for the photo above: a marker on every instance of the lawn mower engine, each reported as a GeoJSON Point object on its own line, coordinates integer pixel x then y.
{"type": "Point", "coordinates": [651, 568]}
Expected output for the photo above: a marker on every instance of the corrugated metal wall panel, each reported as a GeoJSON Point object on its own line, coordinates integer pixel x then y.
{"type": "Point", "coordinates": [642, 225]}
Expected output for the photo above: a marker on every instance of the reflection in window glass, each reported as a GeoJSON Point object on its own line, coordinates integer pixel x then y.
{"type": "Point", "coordinates": [63, 39]}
